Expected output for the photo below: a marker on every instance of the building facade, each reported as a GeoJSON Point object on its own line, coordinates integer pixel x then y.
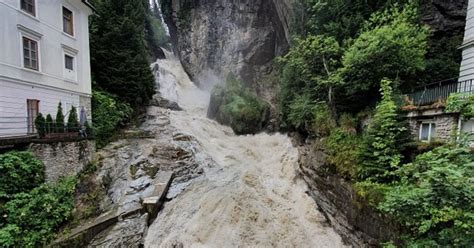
{"type": "Point", "coordinates": [44, 60]}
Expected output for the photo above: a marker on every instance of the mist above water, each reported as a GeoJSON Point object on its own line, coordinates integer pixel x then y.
{"type": "Point", "coordinates": [251, 196]}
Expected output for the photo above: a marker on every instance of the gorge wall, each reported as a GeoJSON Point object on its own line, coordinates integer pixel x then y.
{"type": "Point", "coordinates": [215, 37]}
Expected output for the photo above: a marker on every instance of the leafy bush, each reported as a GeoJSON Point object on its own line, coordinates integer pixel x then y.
{"type": "Point", "coordinates": [19, 172]}
{"type": "Point", "coordinates": [72, 121]}
{"type": "Point", "coordinates": [236, 106]}
{"type": "Point", "coordinates": [380, 153]}
{"type": "Point", "coordinates": [301, 112]}
{"type": "Point", "coordinates": [434, 198]}
{"type": "Point", "coordinates": [30, 219]}
{"type": "Point", "coordinates": [461, 103]}
{"type": "Point", "coordinates": [40, 124]}
{"type": "Point", "coordinates": [323, 122]}
{"type": "Point", "coordinates": [59, 119]}
{"type": "Point", "coordinates": [343, 149]}
{"type": "Point", "coordinates": [108, 114]}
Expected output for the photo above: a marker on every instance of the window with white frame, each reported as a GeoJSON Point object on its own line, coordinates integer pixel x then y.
{"type": "Point", "coordinates": [427, 131]}
{"type": "Point", "coordinates": [68, 21]}
{"type": "Point", "coordinates": [30, 53]}
{"type": "Point", "coordinates": [69, 67]}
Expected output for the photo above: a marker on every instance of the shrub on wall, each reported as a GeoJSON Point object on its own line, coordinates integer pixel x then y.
{"type": "Point", "coordinates": [72, 121]}
{"type": "Point", "coordinates": [40, 124]}
{"type": "Point", "coordinates": [49, 124]}
{"type": "Point", "coordinates": [59, 119]}
{"type": "Point", "coordinates": [19, 172]}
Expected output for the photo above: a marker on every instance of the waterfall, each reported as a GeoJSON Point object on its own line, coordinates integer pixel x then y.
{"type": "Point", "coordinates": [249, 194]}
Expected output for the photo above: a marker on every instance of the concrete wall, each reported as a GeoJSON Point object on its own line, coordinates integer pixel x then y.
{"type": "Point", "coordinates": [63, 158]}
{"type": "Point", "coordinates": [52, 82]}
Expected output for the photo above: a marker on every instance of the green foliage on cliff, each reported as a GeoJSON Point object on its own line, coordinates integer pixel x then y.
{"type": "Point", "coordinates": [118, 51]}
{"type": "Point", "coordinates": [390, 46]}
{"type": "Point", "coordinates": [19, 172]}
{"type": "Point", "coordinates": [380, 153]}
{"type": "Point", "coordinates": [108, 114]}
{"type": "Point", "coordinates": [434, 198]}
{"type": "Point", "coordinates": [308, 76]}
{"type": "Point", "coordinates": [318, 68]}
{"type": "Point", "coordinates": [30, 219]}
{"type": "Point", "coordinates": [236, 106]}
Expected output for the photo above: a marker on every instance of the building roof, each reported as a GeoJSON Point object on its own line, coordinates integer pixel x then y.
{"type": "Point", "coordinates": [86, 2]}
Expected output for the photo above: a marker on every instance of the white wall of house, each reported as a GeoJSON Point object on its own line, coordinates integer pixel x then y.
{"type": "Point", "coordinates": [467, 64]}
{"type": "Point", "coordinates": [51, 83]}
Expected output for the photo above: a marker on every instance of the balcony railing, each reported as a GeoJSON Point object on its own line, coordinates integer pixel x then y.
{"type": "Point", "coordinates": [440, 91]}
{"type": "Point", "coordinates": [24, 126]}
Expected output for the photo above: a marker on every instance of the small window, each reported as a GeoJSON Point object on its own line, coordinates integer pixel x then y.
{"type": "Point", "coordinates": [69, 62]}
{"type": "Point", "coordinates": [427, 131]}
{"type": "Point", "coordinates": [30, 54]}
{"type": "Point", "coordinates": [28, 6]}
{"type": "Point", "coordinates": [68, 21]}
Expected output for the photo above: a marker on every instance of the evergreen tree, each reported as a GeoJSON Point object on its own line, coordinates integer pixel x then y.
{"type": "Point", "coordinates": [381, 154]}
{"type": "Point", "coordinates": [118, 52]}
{"type": "Point", "coordinates": [59, 119]}
{"type": "Point", "coordinates": [72, 121]}
{"type": "Point", "coordinates": [40, 125]}
{"type": "Point", "coordinates": [49, 124]}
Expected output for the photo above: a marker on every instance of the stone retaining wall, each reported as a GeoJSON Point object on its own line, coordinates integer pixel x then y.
{"type": "Point", "coordinates": [446, 123]}
{"type": "Point", "coordinates": [63, 158]}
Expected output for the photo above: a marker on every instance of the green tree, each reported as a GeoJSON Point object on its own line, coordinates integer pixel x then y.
{"type": "Point", "coordinates": [19, 172]}
{"type": "Point", "coordinates": [59, 119]}
{"type": "Point", "coordinates": [392, 46]}
{"type": "Point", "coordinates": [380, 153]}
{"type": "Point", "coordinates": [40, 124]}
{"type": "Point", "coordinates": [118, 52]}
{"type": "Point", "coordinates": [309, 75]}
{"type": "Point", "coordinates": [49, 124]}
{"type": "Point", "coordinates": [72, 121]}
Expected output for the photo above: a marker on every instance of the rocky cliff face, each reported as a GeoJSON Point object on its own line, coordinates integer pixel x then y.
{"type": "Point", "coordinates": [445, 17]}
{"type": "Point", "coordinates": [215, 37]}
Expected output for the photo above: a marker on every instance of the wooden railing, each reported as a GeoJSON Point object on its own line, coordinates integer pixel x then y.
{"type": "Point", "coordinates": [440, 91]}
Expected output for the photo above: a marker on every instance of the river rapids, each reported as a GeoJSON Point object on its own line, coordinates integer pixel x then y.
{"type": "Point", "coordinates": [249, 194]}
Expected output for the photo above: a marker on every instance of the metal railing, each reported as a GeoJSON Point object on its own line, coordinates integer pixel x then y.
{"type": "Point", "coordinates": [23, 126]}
{"type": "Point", "coordinates": [440, 91]}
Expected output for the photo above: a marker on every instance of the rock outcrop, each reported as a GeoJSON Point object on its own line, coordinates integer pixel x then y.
{"type": "Point", "coordinates": [215, 37]}
{"type": "Point", "coordinates": [445, 17]}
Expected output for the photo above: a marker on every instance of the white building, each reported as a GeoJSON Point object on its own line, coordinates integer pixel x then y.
{"type": "Point", "coordinates": [466, 74]}
{"type": "Point", "coordinates": [44, 60]}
